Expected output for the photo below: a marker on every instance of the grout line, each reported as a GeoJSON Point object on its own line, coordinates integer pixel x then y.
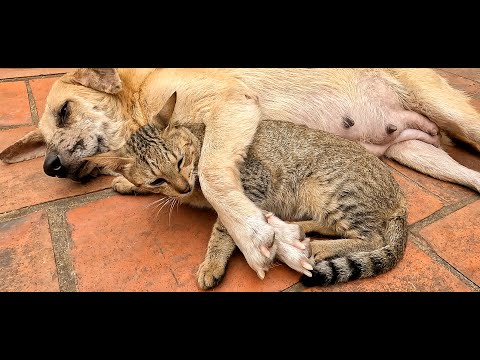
{"type": "Point", "coordinates": [60, 235]}
{"type": "Point", "coordinates": [33, 105]}
{"type": "Point", "coordinates": [67, 203]}
{"type": "Point", "coordinates": [33, 77]}
{"type": "Point", "coordinates": [421, 243]}
{"type": "Point", "coordinates": [406, 177]}
{"type": "Point", "coordinates": [16, 126]}
{"type": "Point", "coordinates": [441, 213]}
{"type": "Point", "coordinates": [298, 287]}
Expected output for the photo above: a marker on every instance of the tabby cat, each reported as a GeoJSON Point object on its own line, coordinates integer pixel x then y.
{"type": "Point", "coordinates": [322, 182]}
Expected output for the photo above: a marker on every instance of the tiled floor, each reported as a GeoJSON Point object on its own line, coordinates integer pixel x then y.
{"type": "Point", "coordinates": [56, 235]}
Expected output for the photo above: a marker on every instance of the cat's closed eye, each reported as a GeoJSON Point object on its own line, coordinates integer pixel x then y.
{"type": "Point", "coordinates": [180, 162]}
{"type": "Point", "coordinates": [158, 182]}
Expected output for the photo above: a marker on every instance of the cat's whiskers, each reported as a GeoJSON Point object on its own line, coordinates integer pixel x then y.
{"type": "Point", "coordinates": [173, 203]}
{"type": "Point", "coordinates": [164, 200]}
{"type": "Point", "coordinates": [165, 203]}
{"type": "Point", "coordinates": [153, 203]}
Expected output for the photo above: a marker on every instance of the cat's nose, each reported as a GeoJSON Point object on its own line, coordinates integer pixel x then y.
{"type": "Point", "coordinates": [186, 190]}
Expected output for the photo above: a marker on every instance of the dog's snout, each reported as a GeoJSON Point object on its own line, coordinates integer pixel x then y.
{"type": "Point", "coordinates": [53, 165]}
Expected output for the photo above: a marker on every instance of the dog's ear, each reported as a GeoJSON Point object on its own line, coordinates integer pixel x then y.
{"type": "Point", "coordinates": [162, 119]}
{"type": "Point", "coordinates": [102, 79]}
{"type": "Point", "coordinates": [28, 147]}
{"type": "Point", "coordinates": [112, 160]}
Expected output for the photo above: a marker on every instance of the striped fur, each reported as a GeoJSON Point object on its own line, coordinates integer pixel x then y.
{"type": "Point", "coordinates": [304, 175]}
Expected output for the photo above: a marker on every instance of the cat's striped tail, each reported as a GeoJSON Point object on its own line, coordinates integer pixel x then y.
{"type": "Point", "coordinates": [363, 264]}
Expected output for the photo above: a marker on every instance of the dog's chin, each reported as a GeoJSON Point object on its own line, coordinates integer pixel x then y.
{"type": "Point", "coordinates": [85, 172]}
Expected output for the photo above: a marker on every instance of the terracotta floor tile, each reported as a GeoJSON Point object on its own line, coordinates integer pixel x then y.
{"type": "Point", "coordinates": [40, 90]}
{"type": "Point", "coordinates": [27, 261]}
{"type": "Point", "coordinates": [456, 238]}
{"type": "Point", "coordinates": [448, 193]}
{"type": "Point", "coordinates": [465, 156]}
{"type": "Point", "coordinates": [416, 272]}
{"type": "Point", "coordinates": [9, 137]}
{"type": "Point", "coordinates": [14, 106]}
{"type": "Point", "coordinates": [420, 203]}
{"type": "Point", "coordinates": [13, 73]}
{"type": "Point", "coordinates": [25, 184]}
{"type": "Point", "coordinates": [130, 248]}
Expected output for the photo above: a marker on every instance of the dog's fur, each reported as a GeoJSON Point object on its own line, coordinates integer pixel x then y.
{"type": "Point", "coordinates": [402, 113]}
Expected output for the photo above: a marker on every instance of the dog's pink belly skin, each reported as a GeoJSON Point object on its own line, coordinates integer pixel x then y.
{"type": "Point", "coordinates": [372, 113]}
{"type": "Point", "coordinates": [377, 134]}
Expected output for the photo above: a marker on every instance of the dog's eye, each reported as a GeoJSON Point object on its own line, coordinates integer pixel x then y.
{"type": "Point", "coordinates": [179, 164]}
{"type": "Point", "coordinates": [158, 182]}
{"type": "Point", "coordinates": [63, 113]}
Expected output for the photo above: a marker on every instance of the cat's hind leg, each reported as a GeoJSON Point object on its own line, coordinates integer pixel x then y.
{"type": "Point", "coordinates": [342, 260]}
{"type": "Point", "coordinates": [313, 226]}
{"type": "Point", "coordinates": [220, 249]}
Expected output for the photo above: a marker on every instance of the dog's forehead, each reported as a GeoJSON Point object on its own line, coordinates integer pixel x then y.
{"type": "Point", "coordinates": [60, 91]}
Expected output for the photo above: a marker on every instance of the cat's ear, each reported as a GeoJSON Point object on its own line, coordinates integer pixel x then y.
{"type": "Point", "coordinates": [162, 119]}
{"type": "Point", "coordinates": [112, 160]}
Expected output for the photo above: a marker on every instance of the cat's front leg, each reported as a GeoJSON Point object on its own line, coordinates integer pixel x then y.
{"type": "Point", "coordinates": [220, 249]}
{"type": "Point", "coordinates": [121, 185]}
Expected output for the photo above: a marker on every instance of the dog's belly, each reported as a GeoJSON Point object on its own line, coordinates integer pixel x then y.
{"type": "Point", "coordinates": [362, 105]}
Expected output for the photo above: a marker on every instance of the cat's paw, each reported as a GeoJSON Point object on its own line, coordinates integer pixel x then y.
{"type": "Point", "coordinates": [125, 187]}
{"type": "Point", "coordinates": [209, 274]}
{"type": "Point", "coordinates": [292, 247]}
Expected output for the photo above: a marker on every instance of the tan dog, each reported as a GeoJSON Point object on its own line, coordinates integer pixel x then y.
{"type": "Point", "coordinates": [401, 113]}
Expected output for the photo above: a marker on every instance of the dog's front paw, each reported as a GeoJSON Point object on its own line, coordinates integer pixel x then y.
{"type": "Point", "coordinates": [293, 248]}
{"type": "Point", "coordinates": [209, 274]}
{"type": "Point", "coordinates": [256, 241]}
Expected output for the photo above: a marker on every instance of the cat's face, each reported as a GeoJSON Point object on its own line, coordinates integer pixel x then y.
{"type": "Point", "coordinates": [164, 163]}
{"type": "Point", "coordinates": [157, 160]}
{"type": "Point", "coordinates": [159, 157]}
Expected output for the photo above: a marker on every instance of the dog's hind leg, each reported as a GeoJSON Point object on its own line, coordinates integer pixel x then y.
{"type": "Point", "coordinates": [433, 161]}
{"type": "Point", "coordinates": [431, 95]}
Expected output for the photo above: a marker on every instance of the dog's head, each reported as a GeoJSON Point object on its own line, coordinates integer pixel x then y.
{"type": "Point", "coordinates": [81, 119]}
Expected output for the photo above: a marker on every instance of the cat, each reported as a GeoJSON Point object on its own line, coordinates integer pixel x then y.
{"type": "Point", "coordinates": [321, 182]}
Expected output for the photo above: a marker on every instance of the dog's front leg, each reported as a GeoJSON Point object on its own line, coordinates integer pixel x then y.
{"type": "Point", "coordinates": [227, 137]}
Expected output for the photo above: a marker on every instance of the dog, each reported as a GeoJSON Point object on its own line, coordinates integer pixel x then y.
{"type": "Point", "coordinates": [404, 114]}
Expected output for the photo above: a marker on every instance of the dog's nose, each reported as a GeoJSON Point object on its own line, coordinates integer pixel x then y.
{"type": "Point", "coordinates": [53, 166]}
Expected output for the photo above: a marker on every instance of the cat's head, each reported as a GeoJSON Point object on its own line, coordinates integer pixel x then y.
{"type": "Point", "coordinates": [160, 157]}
